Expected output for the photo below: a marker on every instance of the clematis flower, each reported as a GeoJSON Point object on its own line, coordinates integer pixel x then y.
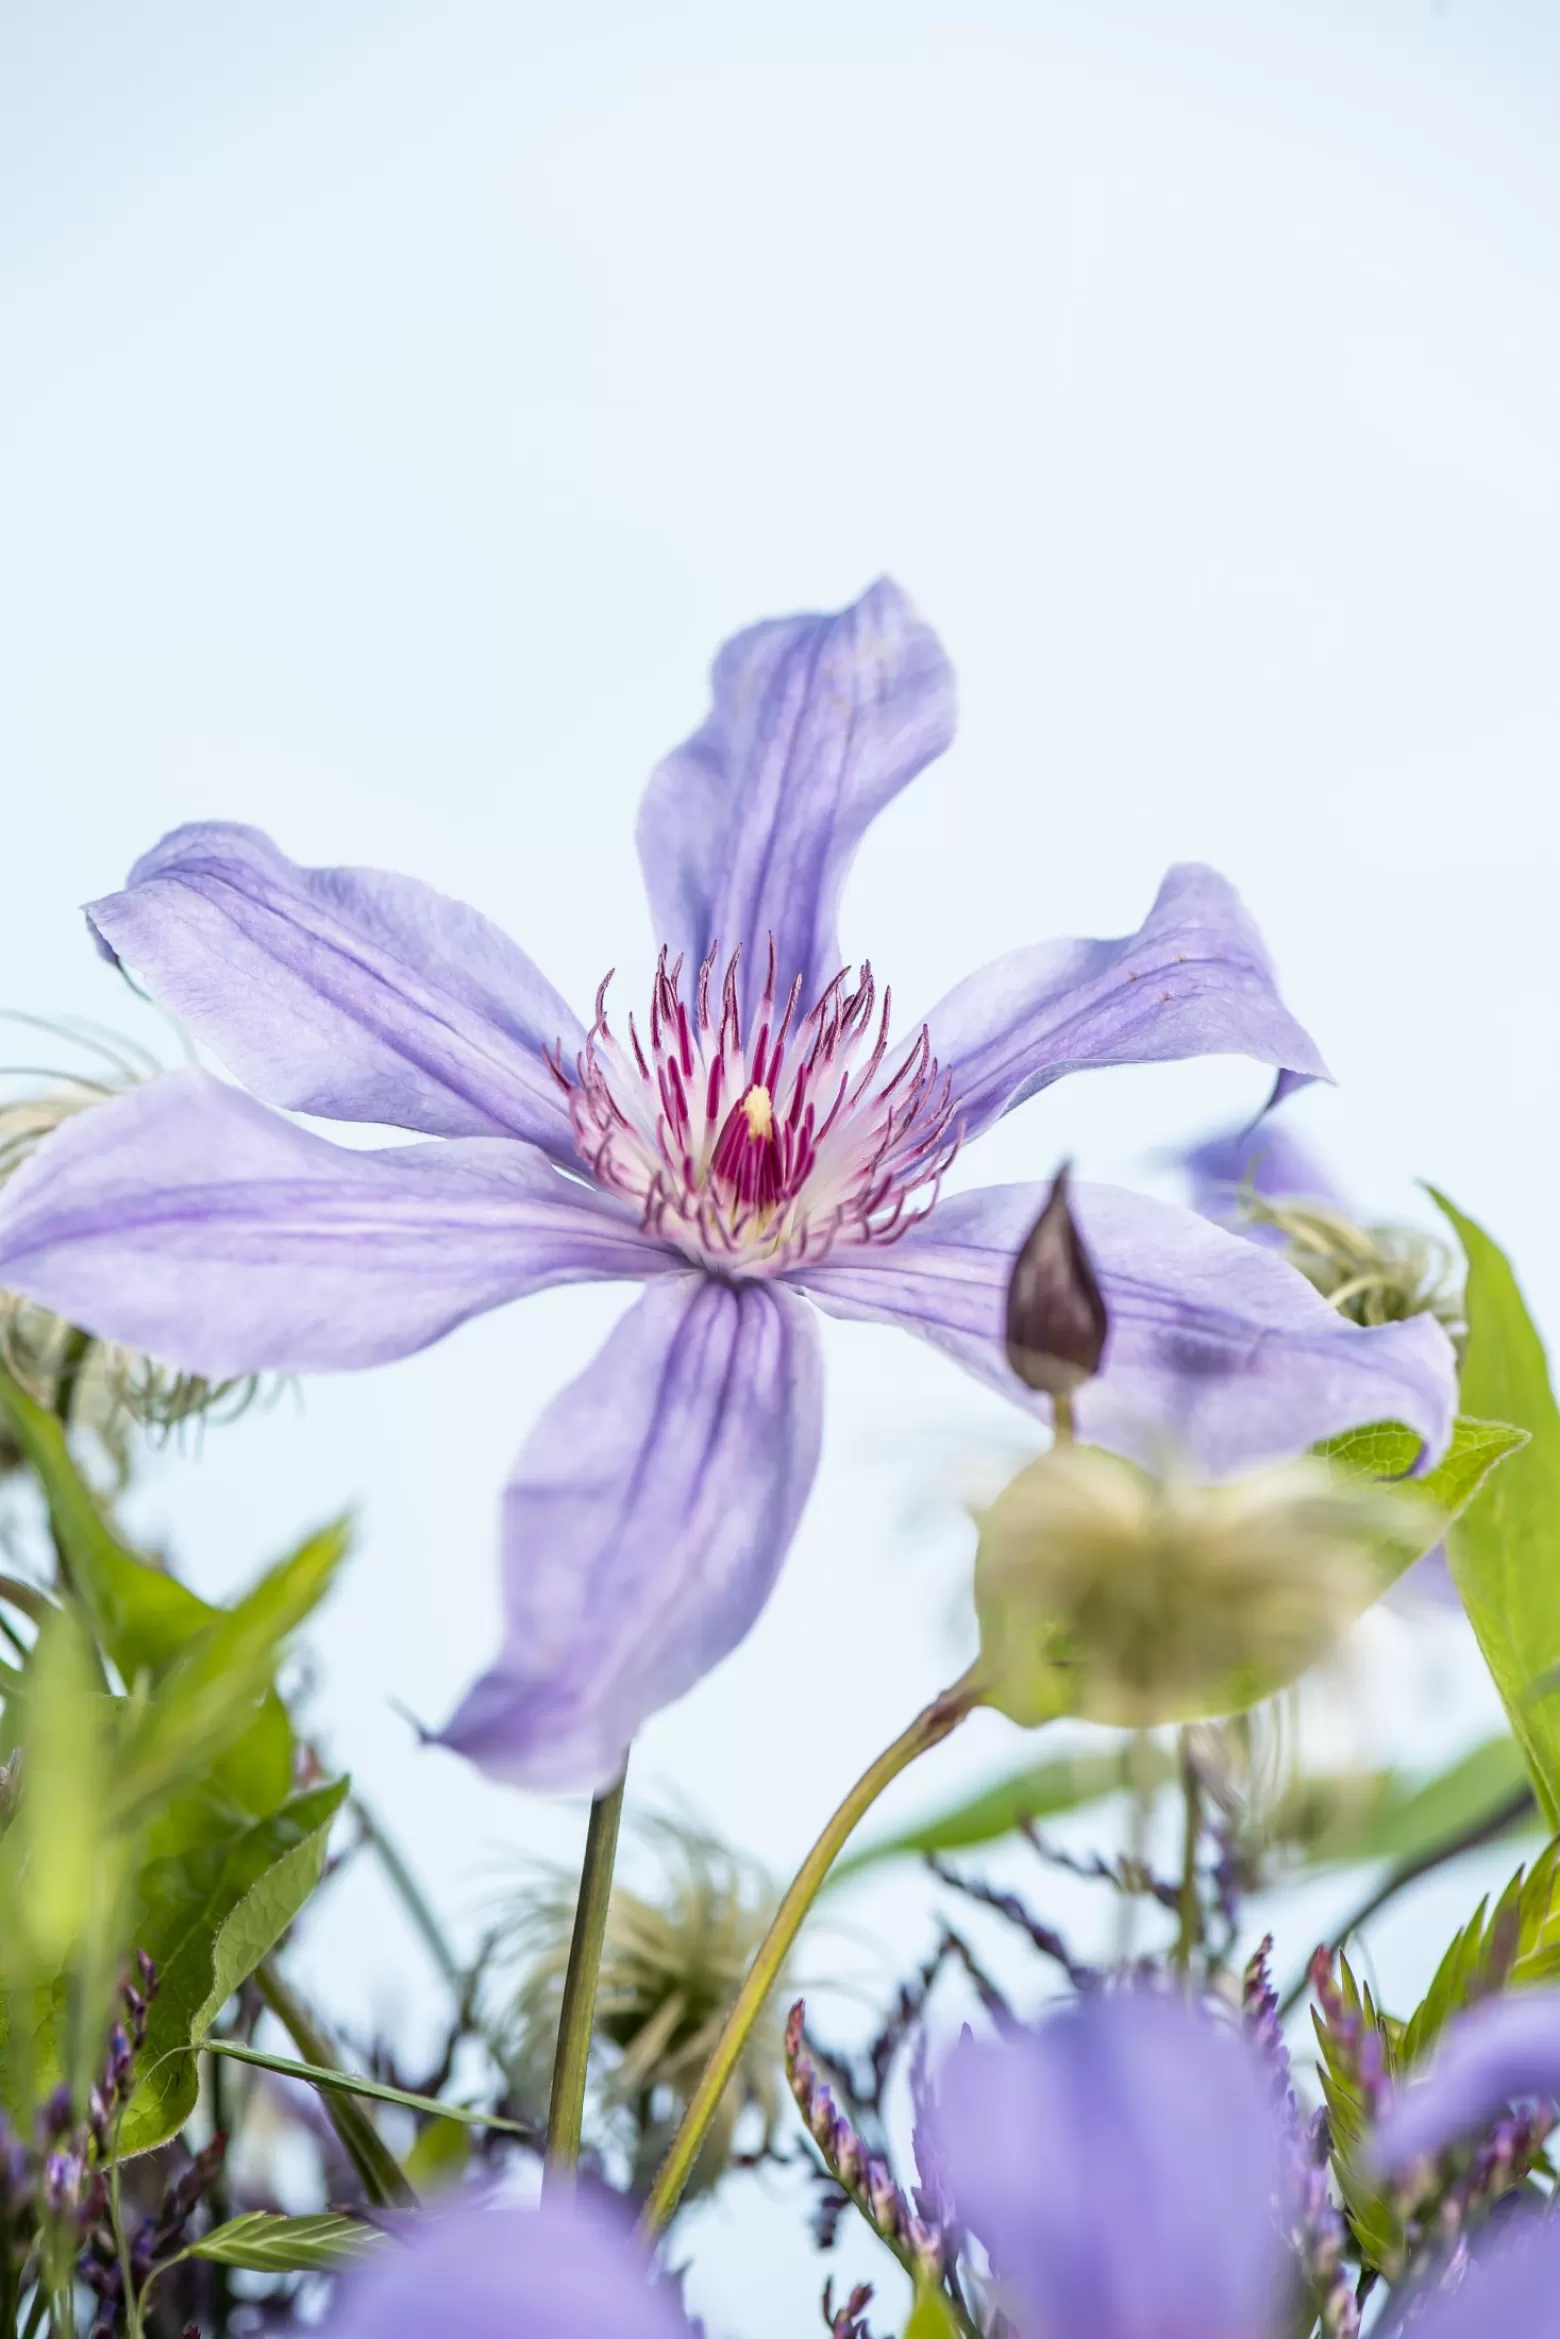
{"type": "Point", "coordinates": [568, 2270]}
{"type": "Point", "coordinates": [1126, 2167]}
{"type": "Point", "coordinates": [755, 1140]}
{"type": "Point", "coordinates": [1121, 2165]}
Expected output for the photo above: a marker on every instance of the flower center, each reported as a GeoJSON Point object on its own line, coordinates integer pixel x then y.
{"type": "Point", "coordinates": [756, 1151]}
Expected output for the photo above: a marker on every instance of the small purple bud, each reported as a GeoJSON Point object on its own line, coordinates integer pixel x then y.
{"type": "Point", "coordinates": [55, 2113]}
{"type": "Point", "coordinates": [62, 2176]}
{"type": "Point", "coordinates": [1056, 1319]}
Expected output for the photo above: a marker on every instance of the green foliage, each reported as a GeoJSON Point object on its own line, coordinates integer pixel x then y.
{"type": "Point", "coordinates": [157, 1819]}
{"type": "Point", "coordinates": [268, 2244]}
{"type": "Point", "coordinates": [1401, 1819]}
{"type": "Point", "coordinates": [332, 2082]}
{"type": "Point", "coordinates": [1510, 1946]}
{"type": "Point", "coordinates": [1505, 1550]}
{"type": "Point", "coordinates": [931, 2317]}
{"type": "Point", "coordinates": [213, 1898]}
{"type": "Point", "coordinates": [1376, 2222]}
{"type": "Point", "coordinates": [143, 1618]}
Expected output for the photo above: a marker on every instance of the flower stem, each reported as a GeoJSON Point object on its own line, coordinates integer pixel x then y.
{"type": "Point", "coordinates": [566, 2110]}
{"type": "Point", "coordinates": [1191, 1906]}
{"type": "Point", "coordinates": [930, 1727]}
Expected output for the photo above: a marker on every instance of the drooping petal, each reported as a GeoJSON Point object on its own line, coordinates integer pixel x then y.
{"type": "Point", "coordinates": [186, 1220]}
{"type": "Point", "coordinates": [568, 2270]}
{"type": "Point", "coordinates": [346, 992]}
{"type": "Point", "coordinates": [1262, 1158]}
{"type": "Point", "coordinates": [1120, 2164]}
{"type": "Point", "coordinates": [1215, 1346]}
{"type": "Point", "coordinates": [749, 828]}
{"type": "Point", "coordinates": [1501, 2052]}
{"type": "Point", "coordinates": [1194, 980]}
{"type": "Point", "coordinates": [644, 1526]}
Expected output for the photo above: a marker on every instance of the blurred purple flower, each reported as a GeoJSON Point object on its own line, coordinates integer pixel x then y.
{"type": "Point", "coordinates": [1506, 2050]}
{"type": "Point", "coordinates": [1264, 1159]}
{"type": "Point", "coordinates": [1122, 2166]}
{"type": "Point", "coordinates": [1507, 2289]}
{"type": "Point", "coordinates": [758, 1139]}
{"type": "Point", "coordinates": [568, 2270]}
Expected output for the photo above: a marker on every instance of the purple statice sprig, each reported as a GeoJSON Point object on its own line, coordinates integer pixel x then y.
{"type": "Point", "coordinates": [1317, 2228]}
{"type": "Point", "coordinates": [862, 2174]}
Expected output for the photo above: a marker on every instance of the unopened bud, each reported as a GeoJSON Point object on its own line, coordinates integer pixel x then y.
{"type": "Point", "coordinates": [1056, 1319]}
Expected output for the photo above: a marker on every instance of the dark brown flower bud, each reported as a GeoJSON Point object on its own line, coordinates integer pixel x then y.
{"type": "Point", "coordinates": [1056, 1319]}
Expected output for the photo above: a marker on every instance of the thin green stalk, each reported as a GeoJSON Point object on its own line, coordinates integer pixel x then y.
{"type": "Point", "coordinates": [378, 2169]}
{"type": "Point", "coordinates": [929, 1728]}
{"type": "Point", "coordinates": [1518, 1805]}
{"type": "Point", "coordinates": [413, 1899]}
{"type": "Point", "coordinates": [219, 2197]}
{"type": "Point", "coordinates": [35, 2311]}
{"type": "Point", "coordinates": [1191, 1904]}
{"type": "Point", "coordinates": [571, 2063]}
{"type": "Point", "coordinates": [133, 2324]}
{"type": "Point", "coordinates": [1062, 1424]}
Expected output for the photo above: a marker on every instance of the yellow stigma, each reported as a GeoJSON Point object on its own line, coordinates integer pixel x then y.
{"type": "Point", "coordinates": [758, 1106]}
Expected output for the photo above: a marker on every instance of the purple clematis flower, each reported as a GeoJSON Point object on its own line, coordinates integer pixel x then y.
{"type": "Point", "coordinates": [1122, 2166]}
{"type": "Point", "coordinates": [1505, 2051]}
{"type": "Point", "coordinates": [756, 1141]}
{"type": "Point", "coordinates": [568, 2270]}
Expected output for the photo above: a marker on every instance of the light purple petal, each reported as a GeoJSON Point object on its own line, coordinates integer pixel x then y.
{"type": "Point", "coordinates": [345, 992]}
{"type": "Point", "coordinates": [749, 828]}
{"type": "Point", "coordinates": [568, 2270]}
{"type": "Point", "coordinates": [1194, 980]}
{"type": "Point", "coordinates": [187, 1220]}
{"type": "Point", "coordinates": [1214, 1343]}
{"type": "Point", "coordinates": [1508, 2290]}
{"type": "Point", "coordinates": [1263, 1158]}
{"type": "Point", "coordinates": [645, 1525]}
{"type": "Point", "coordinates": [1495, 2054]}
{"type": "Point", "coordinates": [1120, 2164]}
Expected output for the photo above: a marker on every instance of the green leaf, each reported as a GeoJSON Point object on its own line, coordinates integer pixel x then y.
{"type": "Point", "coordinates": [1386, 1450]}
{"type": "Point", "coordinates": [931, 2317]}
{"type": "Point", "coordinates": [1505, 1553]}
{"type": "Point", "coordinates": [1045, 1789]}
{"type": "Point", "coordinates": [209, 1695]}
{"type": "Point", "coordinates": [268, 2244]}
{"type": "Point", "coordinates": [143, 1617]}
{"type": "Point", "coordinates": [1402, 1819]}
{"type": "Point", "coordinates": [214, 1899]}
{"type": "Point", "coordinates": [438, 2159]}
{"type": "Point", "coordinates": [348, 2083]}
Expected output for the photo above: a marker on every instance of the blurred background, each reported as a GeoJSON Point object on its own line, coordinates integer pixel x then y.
{"type": "Point", "coordinates": [400, 403]}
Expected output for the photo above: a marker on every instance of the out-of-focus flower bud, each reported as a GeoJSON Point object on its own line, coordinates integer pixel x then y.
{"type": "Point", "coordinates": [1109, 1592]}
{"type": "Point", "coordinates": [1056, 1320]}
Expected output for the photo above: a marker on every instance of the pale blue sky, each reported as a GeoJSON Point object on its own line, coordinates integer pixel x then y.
{"type": "Point", "coordinates": [399, 403]}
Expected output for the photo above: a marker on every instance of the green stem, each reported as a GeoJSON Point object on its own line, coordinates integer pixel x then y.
{"type": "Point", "coordinates": [929, 1728]}
{"type": "Point", "coordinates": [219, 2197]}
{"type": "Point", "coordinates": [1062, 1424]}
{"type": "Point", "coordinates": [1484, 1830]}
{"type": "Point", "coordinates": [1191, 1905]}
{"type": "Point", "coordinates": [35, 2311]}
{"type": "Point", "coordinates": [126, 2272]}
{"type": "Point", "coordinates": [415, 1901]}
{"type": "Point", "coordinates": [378, 2170]}
{"type": "Point", "coordinates": [566, 2109]}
